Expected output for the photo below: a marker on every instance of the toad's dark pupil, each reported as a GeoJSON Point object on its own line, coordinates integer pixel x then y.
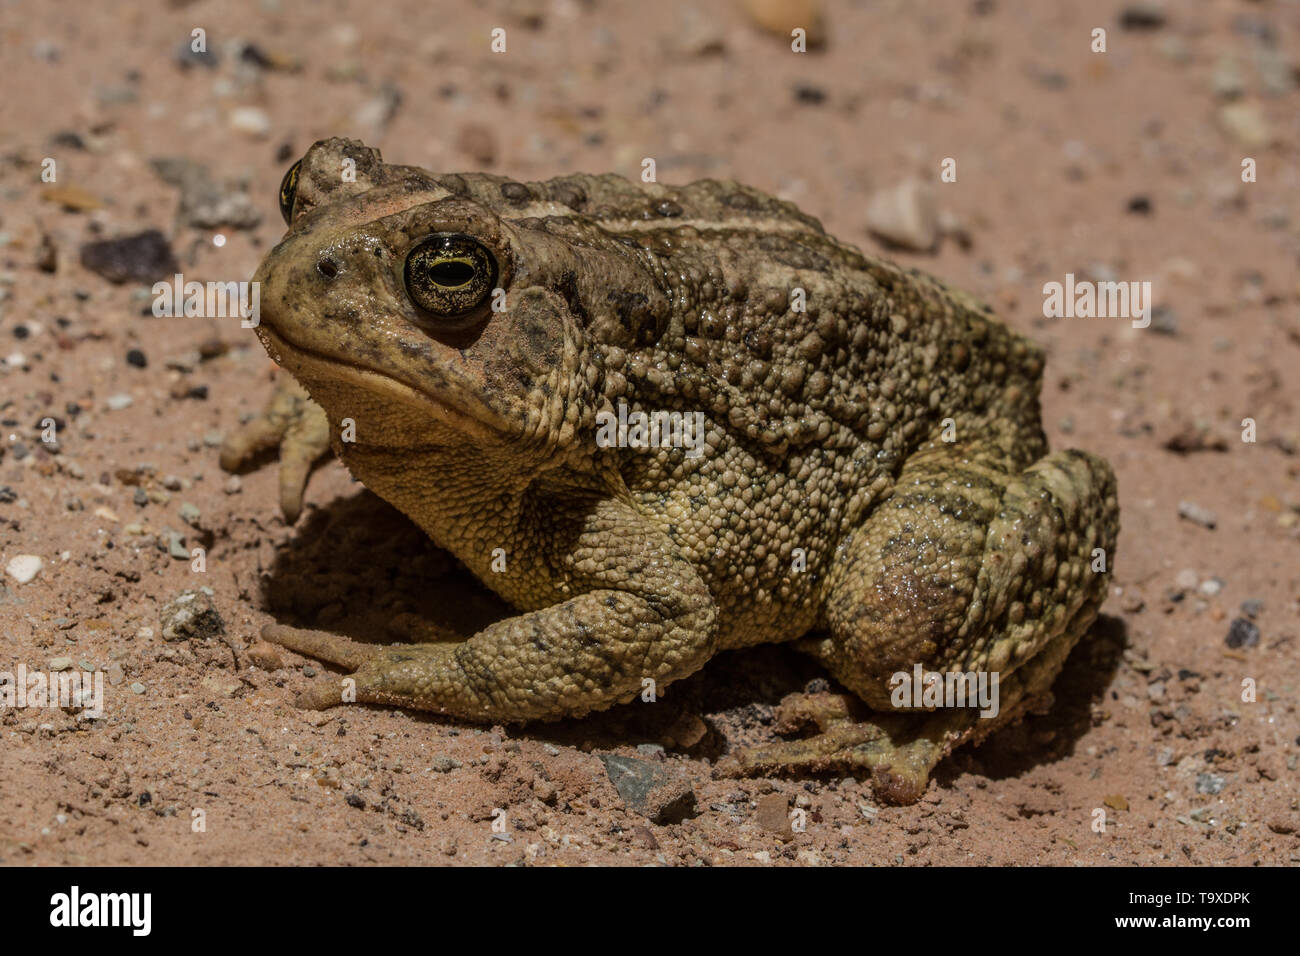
{"type": "Point", "coordinates": [451, 274]}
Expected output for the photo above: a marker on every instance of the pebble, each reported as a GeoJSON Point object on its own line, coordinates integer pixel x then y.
{"type": "Point", "coordinates": [136, 358]}
{"type": "Point", "coordinates": [206, 203]}
{"type": "Point", "coordinates": [1252, 607]}
{"type": "Point", "coordinates": [270, 59]}
{"type": "Point", "coordinates": [444, 764]}
{"type": "Point", "coordinates": [780, 17]}
{"type": "Point", "coordinates": [116, 403]}
{"type": "Point", "coordinates": [688, 730]}
{"type": "Point", "coordinates": [1275, 72]}
{"type": "Point", "coordinates": [1228, 82]}
{"type": "Point", "coordinates": [191, 614]}
{"type": "Point", "coordinates": [696, 35]}
{"type": "Point", "coordinates": [1164, 320]}
{"type": "Point", "coordinates": [1140, 205]}
{"type": "Point", "coordinates": [72, 198]}
{"type": "Point", "coordinates": [265, 655]}
{"type": "Point", "coordinates": [1142, 16]}
{"type": "Point", "coordinates": [1242, 633]}
{"type": "Point", "coordinates": [1197, 515]}
{"type": "Point", "coordinates": [60, 664]}
{"type": "Point", "coordinates": [251, 121]}
{"type": "Point", "coordinates": [115, 673]}
{"type": "Point", "coordinates": [143, 257]}
{"type": "Point", "coordinates": [660, 792]}
{"type": "Point", "coordinates": [190, 514]}
{"type": "Point", "coordinates": [1210, 783]}
{"type": "Point", "coordinates": [185, 361]}
{"type": "Point", "coordinates": [185, 56]}
{"type": "Point", "coordinates": [233, 485]}
{"type": "Point", "coordinates": [1210, 587]}
{"type": "Point", "coordinates": [905, 216]}
{"type": "Point", "coordinates": [1132, 604]}
{"type": "Point", "coordinates": [137, 688]}
{"type": "Point", "coordinates": [23, 567]}
{"type": "Point", "coordinates": [176, 545]}
{"type": "Point", "coordinates": [1245, 124]}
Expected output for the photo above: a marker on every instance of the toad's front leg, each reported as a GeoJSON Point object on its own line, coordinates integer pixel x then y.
{"type": "Point", "coordinates": [652, 618]}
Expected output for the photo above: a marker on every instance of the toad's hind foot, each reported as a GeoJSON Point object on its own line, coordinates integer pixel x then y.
{"type": "Point", "coordinates": [896, 751]}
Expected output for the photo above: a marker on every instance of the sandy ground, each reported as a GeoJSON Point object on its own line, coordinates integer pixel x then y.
{"type": "Point", "coordinates": [1118, 165]}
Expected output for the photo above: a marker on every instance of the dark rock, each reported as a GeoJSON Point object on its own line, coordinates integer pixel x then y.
{"type": "Point", "coordinates": [659, 792]}
{"type": "Point", "coordinates": [144, 257]}
{"type": "Point", "coordinates": [1242, 633]}
{"type": "Point", "coordinates": [1142, 16]}
{"type": "Point", "coordinates": [807, 93]}
{"type": "Point", "coordinates": [1140, 205]}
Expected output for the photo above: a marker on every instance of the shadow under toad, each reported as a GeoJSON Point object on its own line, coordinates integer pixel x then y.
{"type": "Point", "coordinates": [357, 563]}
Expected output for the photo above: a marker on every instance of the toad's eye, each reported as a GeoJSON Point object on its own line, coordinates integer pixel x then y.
{"type": "Point", "coordinates": [449, 274]}
{"type": "Point", "coordinates": [289, 191]}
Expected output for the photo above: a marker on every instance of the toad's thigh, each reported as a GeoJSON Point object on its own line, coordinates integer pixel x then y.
{"type": "Point", "coordinates": [966, 568]}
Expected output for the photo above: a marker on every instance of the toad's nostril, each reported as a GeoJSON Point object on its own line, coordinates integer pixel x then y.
{"type": "Point", "coordinates": [327, 267]}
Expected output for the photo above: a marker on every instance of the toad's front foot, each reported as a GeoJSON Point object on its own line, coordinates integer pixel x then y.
{"type": "Point", "coordinates": [380, 673]}
{"type": "Point", "coordinates": [296, 425]}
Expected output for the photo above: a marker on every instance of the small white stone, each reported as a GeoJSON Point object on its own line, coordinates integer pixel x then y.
{"type": "Point", "coordinates": [23, 567]}
{"type": "Point", "coordinates": [250, 120]}
{"type": "Point", "coordinates": [905, 216]}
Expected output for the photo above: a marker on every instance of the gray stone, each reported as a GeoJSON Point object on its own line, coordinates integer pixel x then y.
{"type": "Point", "coordinates": [658, 791]}
{"type": "Point", "coordinates": [191, 614]}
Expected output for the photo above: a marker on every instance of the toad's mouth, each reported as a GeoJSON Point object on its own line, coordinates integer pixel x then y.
{"type": "Point", "coordinates": [334, 373]}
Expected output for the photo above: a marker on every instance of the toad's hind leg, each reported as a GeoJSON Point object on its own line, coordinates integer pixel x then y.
{"type": "Point", "coordinates": [964, 569]}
